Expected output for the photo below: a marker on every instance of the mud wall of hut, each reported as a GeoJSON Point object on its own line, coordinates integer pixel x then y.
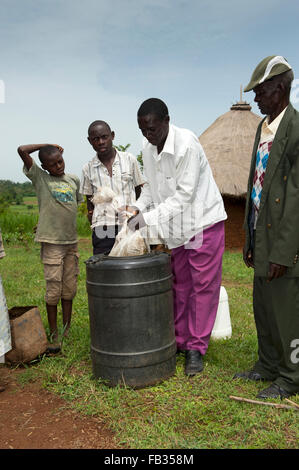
{"type": "Point", "coordinates": [234, 233]}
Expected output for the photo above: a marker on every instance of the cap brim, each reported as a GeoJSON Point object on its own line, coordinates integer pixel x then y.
{"type": "Point", "coordinates": [248, 88]}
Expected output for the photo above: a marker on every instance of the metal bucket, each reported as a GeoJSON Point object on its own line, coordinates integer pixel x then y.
{"type": "Point", "coordinates": [131, 319]}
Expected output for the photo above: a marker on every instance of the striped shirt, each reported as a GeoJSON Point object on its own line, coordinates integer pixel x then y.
{"type": "Point", "coordinates": [126, 175]}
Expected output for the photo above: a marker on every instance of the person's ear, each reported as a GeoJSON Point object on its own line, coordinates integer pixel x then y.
{"type": "Point", "coordinates": [112, 135]}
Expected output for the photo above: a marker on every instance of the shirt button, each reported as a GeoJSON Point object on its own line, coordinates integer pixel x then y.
{"type": "Point", "coordinates": [284, 178]}
{"type": "Point", "coordinates": [269, 225]}
{"type": "Point", "coordinates": [277, 200]}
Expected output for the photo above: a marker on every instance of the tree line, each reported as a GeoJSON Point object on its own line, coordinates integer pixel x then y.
{"type": "Point", "coordinates": [13, 193]}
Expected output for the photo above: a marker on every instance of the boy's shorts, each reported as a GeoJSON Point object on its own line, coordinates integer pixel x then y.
{"type": "Point", "coordinates": [61, 269]}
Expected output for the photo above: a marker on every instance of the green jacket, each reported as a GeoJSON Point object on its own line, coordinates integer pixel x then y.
{"type": "Point", "coordinates": [277, 228]}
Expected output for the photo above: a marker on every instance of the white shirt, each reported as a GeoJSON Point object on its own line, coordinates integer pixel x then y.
{"type": "Point", "coordinates": [126, 175]}
{"type": "Point", "coordinates": [268, 131]}
{"type": "Point", "coordinates": [181, 196]}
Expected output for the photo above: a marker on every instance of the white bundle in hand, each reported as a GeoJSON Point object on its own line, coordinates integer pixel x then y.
{"type": "Point", "coordinates": [106, 203]}
{"type": "Point", "coordinates": [104, 195]}
{"type": "Point", "coordinates": [129, 243]}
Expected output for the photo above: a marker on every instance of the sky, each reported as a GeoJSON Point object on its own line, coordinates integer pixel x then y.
{"type": "Point", "coordinates": [67, 63]}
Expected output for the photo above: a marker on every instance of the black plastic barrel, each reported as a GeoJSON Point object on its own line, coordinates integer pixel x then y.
{"type": "Point", "coordinates": [131, 319]}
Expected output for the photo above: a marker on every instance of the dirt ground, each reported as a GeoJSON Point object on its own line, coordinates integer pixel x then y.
{"type": "Point", "coordinates": [33, 418]}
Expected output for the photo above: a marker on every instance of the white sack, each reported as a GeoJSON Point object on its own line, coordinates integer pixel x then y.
{"type": "Point", "coordinates": [129, 243]}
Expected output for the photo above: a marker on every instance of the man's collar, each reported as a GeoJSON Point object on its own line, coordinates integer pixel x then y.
{"type": "Point", "coordinates": [168, 145]}
{"type": "Point", "coordinates": [169, 142]}
{"type": "Point", "coordinates": [273, 126]}
{"type": "Point", "coordinates": [97, 162]}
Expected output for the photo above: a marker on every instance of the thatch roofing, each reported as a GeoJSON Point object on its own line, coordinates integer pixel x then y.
{"type": "Point", "coordinates": [228, 146]}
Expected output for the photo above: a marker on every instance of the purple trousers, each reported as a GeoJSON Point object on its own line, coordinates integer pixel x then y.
{"type": "Point", "coordinates": [196, 288]}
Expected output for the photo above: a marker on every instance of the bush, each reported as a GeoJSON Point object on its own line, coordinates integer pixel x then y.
{"type": "Point", "coordinates": [83, 226]}
{"type": "Point", "coordinates": [18, 227]}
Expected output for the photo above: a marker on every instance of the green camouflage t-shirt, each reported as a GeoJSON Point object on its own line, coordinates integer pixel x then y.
{"type": "Point", "coordinates": [58, 199]}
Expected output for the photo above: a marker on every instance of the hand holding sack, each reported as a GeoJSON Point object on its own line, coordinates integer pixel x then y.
{"type": "Point", "coordinates": [129, 242]}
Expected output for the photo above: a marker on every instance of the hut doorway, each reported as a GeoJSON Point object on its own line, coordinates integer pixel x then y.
{"type": "Point", "coordinates": [234, 232]}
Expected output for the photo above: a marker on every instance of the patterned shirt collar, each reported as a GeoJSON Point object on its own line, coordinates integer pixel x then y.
{"type": "Point", "coordinates": [97, 162]}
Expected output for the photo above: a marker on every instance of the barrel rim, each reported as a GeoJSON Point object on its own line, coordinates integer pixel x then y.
{"type": "Point", "coordinates": [97, 259]}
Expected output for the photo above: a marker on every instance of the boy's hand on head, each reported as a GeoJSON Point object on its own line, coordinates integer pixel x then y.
{"type": "Point", "coordinates": [61, 149]}
{"type": "Point", "coordinates": [25, 150]}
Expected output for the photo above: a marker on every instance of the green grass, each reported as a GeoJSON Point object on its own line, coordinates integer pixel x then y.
{"type": "Point", "coordinates": [180, 413]}
{"type": "Point", "coordinates": [29, 207]}
{"type": "Point", "coordinates": [19, 222]}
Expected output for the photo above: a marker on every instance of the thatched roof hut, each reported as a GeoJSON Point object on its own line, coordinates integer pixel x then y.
{"type": "Point", "coordinates": [228, 145]}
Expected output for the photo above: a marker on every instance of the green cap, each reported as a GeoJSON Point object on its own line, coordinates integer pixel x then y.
{"type": "Point", "coordinates": [266, 69]}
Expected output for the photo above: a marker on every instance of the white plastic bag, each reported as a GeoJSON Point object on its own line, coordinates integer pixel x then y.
{"type": "Point", "coordinates": [129, 243]}
{"type": "Point", "coordinates": [106, 204]}
{"type": "Point", "coordinates": [103, 195]}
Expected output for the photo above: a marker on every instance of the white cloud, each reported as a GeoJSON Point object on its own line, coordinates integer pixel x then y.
{"type": "Point", "coordinates": [68, 62]}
